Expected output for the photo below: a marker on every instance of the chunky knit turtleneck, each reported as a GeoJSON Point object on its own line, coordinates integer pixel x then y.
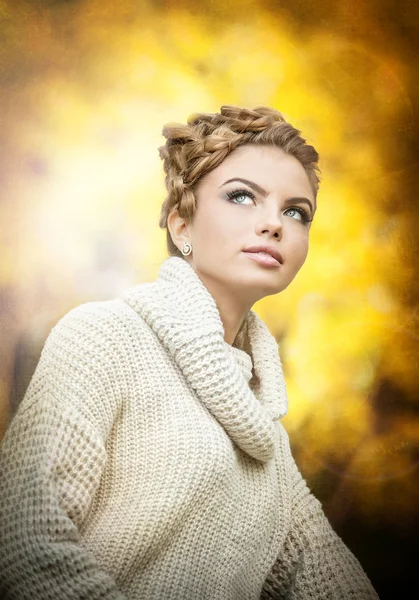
{"type": "Point", "coordinates": [243, 361]}
{"type": "Point", "coordinates": [173, 307]}
{"type": "Point", "coordinates": [147, 460]}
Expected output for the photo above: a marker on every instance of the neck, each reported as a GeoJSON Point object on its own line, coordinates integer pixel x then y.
{"type": "Point", "coordinates": [231, 306]}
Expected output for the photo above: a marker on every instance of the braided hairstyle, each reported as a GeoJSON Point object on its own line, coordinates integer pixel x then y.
{"type": "Point", "coordinates": [193, 150]}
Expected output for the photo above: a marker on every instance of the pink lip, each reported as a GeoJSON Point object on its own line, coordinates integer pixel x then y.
{"type": "Point", "coordinates": [267, 249]}
{"type": "Point", "coordinates": [264, 259]}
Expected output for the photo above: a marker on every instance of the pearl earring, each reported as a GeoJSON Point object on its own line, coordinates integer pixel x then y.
{"type": "Point", "coordinates": [187, 249]}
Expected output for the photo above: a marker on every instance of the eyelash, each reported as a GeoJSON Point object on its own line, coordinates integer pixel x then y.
{"type": "Point", "coordinates": [236, 193]}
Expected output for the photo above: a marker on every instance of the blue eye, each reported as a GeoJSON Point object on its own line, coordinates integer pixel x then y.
{"type": "Point", "coordinates": [235, 194]}
{"type": "Point", "coordinates": [305, 216]}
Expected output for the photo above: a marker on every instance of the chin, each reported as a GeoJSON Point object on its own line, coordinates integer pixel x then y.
{"type": "Point", "coordinates": [267, 285]}
{"type": "Point", "coordinates": [272, 290]}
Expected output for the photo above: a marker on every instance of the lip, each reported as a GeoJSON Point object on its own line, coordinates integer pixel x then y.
{"type": "Point", "coordinates": [264, 259]}
{"type": "Point", "coordinates": [271, 250]}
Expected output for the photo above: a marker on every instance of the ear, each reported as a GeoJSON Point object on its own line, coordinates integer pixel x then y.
{"type": "Point", "coordinates": [178, 228]}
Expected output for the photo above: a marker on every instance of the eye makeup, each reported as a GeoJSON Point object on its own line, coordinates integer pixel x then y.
{"type": "Point", "coordinates": [232, 195]}
{"type": "Point", "coordinates": [240, 192]}
{"type": "Point", "coordinates": [259, 190]}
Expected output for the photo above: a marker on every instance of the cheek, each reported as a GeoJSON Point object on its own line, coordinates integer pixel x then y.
{"type": "Point", "coordinates": [301, 248]}
{"type": "Point", "coordinates": [212, 228]}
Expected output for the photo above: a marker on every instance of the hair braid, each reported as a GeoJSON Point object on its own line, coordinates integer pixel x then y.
{"type": "Point", "coordinates": [193, 150]}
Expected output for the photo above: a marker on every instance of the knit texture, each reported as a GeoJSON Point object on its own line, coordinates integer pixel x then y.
{"type": "Point", "coordinates": [147, 460]}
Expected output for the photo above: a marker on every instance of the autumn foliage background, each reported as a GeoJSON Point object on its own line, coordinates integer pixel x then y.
{"type": "Point", "coordinates": [85, 88]}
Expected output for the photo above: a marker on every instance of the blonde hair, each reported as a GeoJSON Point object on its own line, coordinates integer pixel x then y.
{"type": "Point", "coordinates": [193, 150]}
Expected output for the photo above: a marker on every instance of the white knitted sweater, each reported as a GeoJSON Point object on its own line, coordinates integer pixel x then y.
{"type": "Point", "coordinates": [147, 461]}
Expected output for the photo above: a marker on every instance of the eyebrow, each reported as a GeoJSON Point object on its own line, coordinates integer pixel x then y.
{"type": "Point", "coordinates": [263, 192]}
{"type": "Point", "coordinates": [251, 184]}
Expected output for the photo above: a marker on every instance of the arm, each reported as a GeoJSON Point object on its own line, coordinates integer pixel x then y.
{"type": "Point", "coordinates": [314, 562]}
{"type": "Point", "coordinates": [51, 462]}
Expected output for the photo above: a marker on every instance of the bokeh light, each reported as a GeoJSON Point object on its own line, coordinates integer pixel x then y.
{"type": "Point", "coordinates": [86, 87]}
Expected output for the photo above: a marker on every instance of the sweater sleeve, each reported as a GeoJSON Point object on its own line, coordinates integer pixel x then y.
{"type": "Point", "coordinates": [51, 461]}
{"type": "Point", "coordinates": [314, 562]}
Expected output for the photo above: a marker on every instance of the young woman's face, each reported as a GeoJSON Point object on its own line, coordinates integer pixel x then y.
{"type": "Point", "coordinates": [259, 195]}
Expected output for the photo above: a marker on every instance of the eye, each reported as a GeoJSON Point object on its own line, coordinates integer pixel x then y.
{"type": "Point", "coordinates": [240, 195]}
{"type": "Point", "coordinates": [304, 215]}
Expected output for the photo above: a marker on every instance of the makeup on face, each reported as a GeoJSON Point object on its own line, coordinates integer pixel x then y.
{"type": "Point", "coordinates": [306, 216]}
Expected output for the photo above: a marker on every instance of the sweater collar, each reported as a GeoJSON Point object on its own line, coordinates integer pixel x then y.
{"type": "Point", "coordinates": [181, 311]}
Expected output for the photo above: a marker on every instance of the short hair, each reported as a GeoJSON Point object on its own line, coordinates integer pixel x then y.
{"type": "Point", "coordinates": [193, 150]}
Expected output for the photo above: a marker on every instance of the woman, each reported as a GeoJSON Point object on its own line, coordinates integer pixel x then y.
{"type": "Point", "coordinates": [148, 459]}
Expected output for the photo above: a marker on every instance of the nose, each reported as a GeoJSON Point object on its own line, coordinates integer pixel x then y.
{"type": "Point", "coordinates": [270, 224]}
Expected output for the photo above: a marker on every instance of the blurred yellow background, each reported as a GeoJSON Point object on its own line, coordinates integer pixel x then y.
{"type": "Point", "coordinates": [86, 87]}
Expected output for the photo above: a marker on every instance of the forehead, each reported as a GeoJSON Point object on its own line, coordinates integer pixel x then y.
{"type": "Point", "coordinates": [268, 166]}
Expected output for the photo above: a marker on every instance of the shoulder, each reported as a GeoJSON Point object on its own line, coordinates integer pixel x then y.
{"type": "Point", "coordinates": [101, 320]}
{"type": "Point", "coordinates": [101, 329]}
{"type": "Point", "coordinates": [88, 365]}
{"type": "Point", "coordinates": [87, 358]}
